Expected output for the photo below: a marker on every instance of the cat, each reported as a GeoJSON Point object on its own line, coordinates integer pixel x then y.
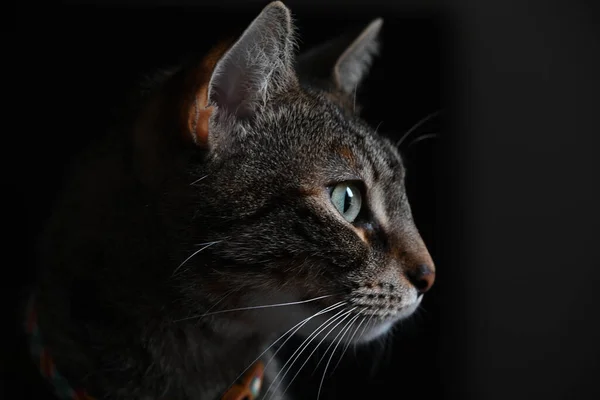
{"type": "Point", "coordinates": [246, 199]}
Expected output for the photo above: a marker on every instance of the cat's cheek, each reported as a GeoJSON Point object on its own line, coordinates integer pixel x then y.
{"type": "Point", "coordinates": [278, 319]}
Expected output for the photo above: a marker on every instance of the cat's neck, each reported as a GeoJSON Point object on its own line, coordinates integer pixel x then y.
{"type": "Point", "coordinates": [191, 359]}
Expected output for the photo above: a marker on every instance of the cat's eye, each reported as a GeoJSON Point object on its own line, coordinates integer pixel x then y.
{"type": "Point", "coordinates": [347, 199]}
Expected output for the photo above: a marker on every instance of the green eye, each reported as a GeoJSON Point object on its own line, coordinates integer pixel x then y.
{"type": "Point", "coordinates": [347, 200]}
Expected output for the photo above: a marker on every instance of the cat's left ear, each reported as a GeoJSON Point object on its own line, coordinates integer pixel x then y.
{"type": "Point", "coordinates": [343, 62]}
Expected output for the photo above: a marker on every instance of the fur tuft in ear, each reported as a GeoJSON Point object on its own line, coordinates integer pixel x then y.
{"type": "Point", "coordinates": [257, 66]}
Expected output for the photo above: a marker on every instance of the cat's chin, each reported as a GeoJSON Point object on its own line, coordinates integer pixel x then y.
{"type": "Point", "coordinates": [382, 327]}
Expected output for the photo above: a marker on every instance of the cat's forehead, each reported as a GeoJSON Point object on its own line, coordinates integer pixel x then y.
{"type": "Point", "coordinates": [318, 131]}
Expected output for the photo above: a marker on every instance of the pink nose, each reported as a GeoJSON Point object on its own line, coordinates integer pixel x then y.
{"type": "Point", "coordinates": [422, 277]}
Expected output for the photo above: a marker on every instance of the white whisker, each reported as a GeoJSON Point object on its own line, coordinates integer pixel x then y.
{"type": "Point", "coordinates": [328, 362]}
{"type": "Point", "coordinates": [304, 322]}
{"type": "Point", "coordinates": [362, 321]}
{"type": "Point", "coordinates": [366, 325]}
{"type": "Point", "coordinates": [345, 315]}
{"type": "Point", "coordinates": [219, 301]}
{"type": "Point", "coordinates": [198, 180]}
{"type": "Point", "coordinates": [270, 305]}
{"type": "Point", "coordinates": [334, 317]}
{"type": "Point", "coordinates": [255, 307]}
{"type": "Point", "coordinates": [206, 245]}
{"type": "Point", "coordinates": [327, 322]}
{"type": "Point", "coordinates": [416, 126]}
{"type": "Point", "coordinates": [298, 326]}
{"type": "Point", "coordinates": [377, 128]}
{"type": "Point", "coordinates": [363, 331]}
{"type": "Point", "coordinates": [333, 341]}
{"type": "Point", "coordinates": [314, 350]}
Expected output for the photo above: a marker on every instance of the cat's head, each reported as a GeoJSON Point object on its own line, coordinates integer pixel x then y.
{"type": "Point", "coordinates": [289, 194]}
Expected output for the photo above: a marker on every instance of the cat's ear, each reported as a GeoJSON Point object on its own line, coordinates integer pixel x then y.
{"type": "Point", "coordinates": [256, 67]}
{"type": "Point", "coordinates": [259, 64]}
{"type": "Point", "coordinates": [352, 66]}
{"type": "Point", "coordinates": [343, 61]}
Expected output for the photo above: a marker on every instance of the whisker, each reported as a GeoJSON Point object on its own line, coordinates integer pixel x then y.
{"type": "Point", "coordinates": [377, 128]}
{"type": "Point", "coordinates": [423, 137]}
{"type": "Point", "coordinates": [255, 307]}
{"type": "Point", "coordinates": [346, 315]}
{"type": "Point", "coordinates": [363, 331]}
{"type": "Point", "coordinates": [330, 308]}
{"type": "Point", "coordinates": [364, 318]}
{"type": "Point", "coordinates": [348, 325]}
{"type": "Point", "coordinates": [332, 318]}
{"type": "Point", "coordinates": [417, 125]}
{"type": "Point", "coordinates": [296, 327]}
{"type": "Point", "coordinates": [300, 348]}
{"type": "Point", "coordinates": [219, 301]}
{"type": "Point", "coordinates": [198, 180]}
{"type": "Point", "coordinates": [206, 245]}
{"type": "Point", "coordinates": [367, 324]}
{"type": "Point", "coordinates": [326, 366]}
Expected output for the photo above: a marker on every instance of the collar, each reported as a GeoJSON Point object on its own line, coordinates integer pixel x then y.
{"type": "Point", "coordinates": [247, 388]}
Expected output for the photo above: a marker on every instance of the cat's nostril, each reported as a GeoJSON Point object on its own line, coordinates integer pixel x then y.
{"type": "Point", "coordinates": [422, 277]}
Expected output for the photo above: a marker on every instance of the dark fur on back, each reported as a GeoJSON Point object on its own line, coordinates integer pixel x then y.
{"type": "Point", "coordinates": [119, 307]}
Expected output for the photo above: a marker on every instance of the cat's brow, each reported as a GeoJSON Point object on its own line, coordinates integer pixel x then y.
{"type": "Point", "coordinates": [347, 154]}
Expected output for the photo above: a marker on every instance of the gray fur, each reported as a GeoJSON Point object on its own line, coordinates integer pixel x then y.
{"type": "Point", "coordinates": [118, 308]}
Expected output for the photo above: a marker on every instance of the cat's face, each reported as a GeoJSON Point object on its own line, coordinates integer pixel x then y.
{"type": "Point", "coordinates": [317, 207]}
{"type": "Point", "coordinates": [307, 203]}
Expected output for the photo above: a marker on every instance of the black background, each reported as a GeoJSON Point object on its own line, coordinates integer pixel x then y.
{"type": "Point", "coordinates": [506, 197]}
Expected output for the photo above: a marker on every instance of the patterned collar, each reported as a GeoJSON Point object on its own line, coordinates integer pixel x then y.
{"type": "Point", "coordinates": [247, 388]}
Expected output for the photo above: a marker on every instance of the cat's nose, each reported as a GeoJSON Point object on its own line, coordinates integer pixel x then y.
{"type": "Point", "coordinates": [422, 277]}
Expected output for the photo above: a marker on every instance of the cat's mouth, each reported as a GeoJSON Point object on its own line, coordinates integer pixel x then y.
{"type": "Point", "coordinates": [362, 318]}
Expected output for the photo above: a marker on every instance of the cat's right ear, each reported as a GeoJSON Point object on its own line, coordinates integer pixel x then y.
{"type": "Point", "coordinates": [256, 67]}
{"type": "Point", "coordinates": [343, 62]}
